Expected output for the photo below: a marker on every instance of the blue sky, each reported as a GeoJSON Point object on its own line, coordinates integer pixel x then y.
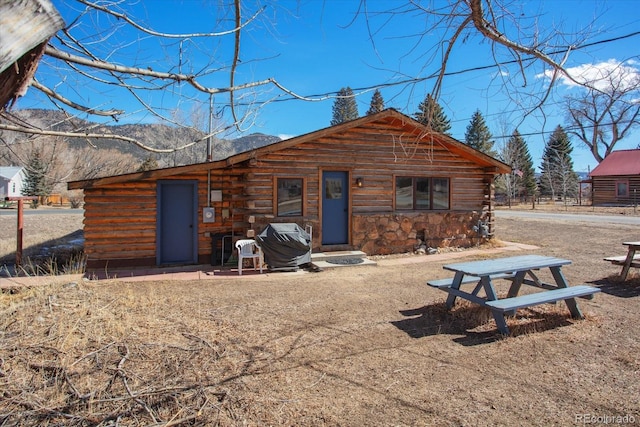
{"type": "Point", "coordinates": [316, 47]}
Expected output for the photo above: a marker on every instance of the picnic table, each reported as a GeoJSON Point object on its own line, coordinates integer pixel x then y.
{"type": "Point", "coordinates": [627, 261]}
{"type": "Point", "coordinates": [519, 270]}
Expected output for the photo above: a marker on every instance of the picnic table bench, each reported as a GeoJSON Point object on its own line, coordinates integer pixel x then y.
{"type": "Point", "coordinates": [516, 269]}
{"type": "Point", "coordinates": [627, 261]}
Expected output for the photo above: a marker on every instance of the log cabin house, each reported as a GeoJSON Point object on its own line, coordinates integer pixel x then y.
{"type": "Point", "coordinates": [616, 180]}
{"type": "Point", "coordinates": [379, 184]}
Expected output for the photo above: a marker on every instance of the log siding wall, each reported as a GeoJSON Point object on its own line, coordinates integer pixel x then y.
{"type": "Point", "coordinates": [604, 190]}
{"type": "Point", "coordinates": [378, 157]}
{"type": "Point", "coordinates": [120, 219]}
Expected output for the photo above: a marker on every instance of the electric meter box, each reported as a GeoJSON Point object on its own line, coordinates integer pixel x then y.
{"type": "Point", "coordinates": [209, 215]}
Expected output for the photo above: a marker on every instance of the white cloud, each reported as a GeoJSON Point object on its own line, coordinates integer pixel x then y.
{"type": "Point", "coordinates": [601, 75]}
{"type": "Point", "coordinates": [501, 73]}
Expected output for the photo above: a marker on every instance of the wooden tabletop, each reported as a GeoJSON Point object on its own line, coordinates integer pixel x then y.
{"type": "Point", "coordinates": [506, 265]}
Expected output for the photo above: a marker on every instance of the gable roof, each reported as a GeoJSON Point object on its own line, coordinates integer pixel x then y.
{"type": "Point", "coordinates": [388, 117]}
{"type": "Point", "coordinates": [621, 162]}
{"type": "Point", "coordinates": [9, 172]}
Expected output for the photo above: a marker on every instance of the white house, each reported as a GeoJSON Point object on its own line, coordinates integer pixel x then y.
{"type": "Point", "coordinates": [11, 181]}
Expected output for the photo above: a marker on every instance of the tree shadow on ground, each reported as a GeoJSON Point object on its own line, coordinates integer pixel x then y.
{"type": "Point", "coordinates": [41, 258]}
{"type": "Point", "coordinates": [476, 324]}
{"type": "Point", "coordinates": [612, 285]}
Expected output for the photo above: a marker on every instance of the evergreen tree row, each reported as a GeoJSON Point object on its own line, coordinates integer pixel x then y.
{"type": "Point", "coordinates": [345, 107]}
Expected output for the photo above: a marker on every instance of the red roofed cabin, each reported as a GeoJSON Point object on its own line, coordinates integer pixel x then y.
{"type": "Point", "coordinates": [616, 180]}
{"type": "Point", "coordinates": [377, 184]}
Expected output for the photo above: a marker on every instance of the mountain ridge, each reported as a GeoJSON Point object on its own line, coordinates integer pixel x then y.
{"type": "Point", "coordinates": [159, 136]}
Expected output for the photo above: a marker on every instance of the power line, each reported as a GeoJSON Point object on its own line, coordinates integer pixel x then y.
{"type": "Point", "coordinates": [471, 69]}
{"type": "Point", "coordinates": [566, 128]}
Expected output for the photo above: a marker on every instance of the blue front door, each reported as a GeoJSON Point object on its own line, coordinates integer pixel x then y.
{"type": "Point", "coordinates": [177, 226]}
{"type": "Point", "coordinates": [335, 208]}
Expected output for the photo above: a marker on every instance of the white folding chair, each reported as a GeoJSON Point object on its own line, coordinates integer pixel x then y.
{"type": "Point", "coordinates": [248, 249]}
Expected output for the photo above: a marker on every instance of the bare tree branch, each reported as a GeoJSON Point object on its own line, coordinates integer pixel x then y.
{"type": "Point", "coordinates": [239, 26]}
{"type": "Point", "coordinates": [189, 78]}
{"type": "Point", "coordinates": [234, 63]}
{"type": "Point", "coordinates": [488, 30]}
{"type": "Point", "coordinates": [99, 56]}
{"type": "Point", "coordinates": [72, 104]}
{"type": "Point", "coordinates": [445, 59]}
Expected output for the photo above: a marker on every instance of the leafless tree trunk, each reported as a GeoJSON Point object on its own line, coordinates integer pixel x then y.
{"type": "Point", "coordinates": [508, 182]}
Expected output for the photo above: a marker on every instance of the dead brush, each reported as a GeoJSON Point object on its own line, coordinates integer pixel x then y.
{"type": "Point", "coordinates": [72, 356]}
{"type": "Point", "coordinates": [71, 262]}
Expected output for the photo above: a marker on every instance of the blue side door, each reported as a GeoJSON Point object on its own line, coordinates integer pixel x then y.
{"type": "Point", "coordinates": [177, 226]}
{"type": "Point", "coordinates": [335, 208]}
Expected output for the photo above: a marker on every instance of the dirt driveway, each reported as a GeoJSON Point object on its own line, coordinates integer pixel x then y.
{"type": "Point", "coordinates": [361, 346]}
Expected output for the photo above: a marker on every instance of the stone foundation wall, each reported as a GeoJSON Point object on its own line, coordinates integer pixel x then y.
{"type": "Point", "coordinates": [400, 233]}
{"type": "Point", "coordinates": [383, 234]}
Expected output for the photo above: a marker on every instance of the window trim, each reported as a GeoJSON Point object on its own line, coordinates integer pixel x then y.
{"type": "Point", "coordinates": [626, 183]}
{"type": "Point", "coordinates": [431, 187]}
{"type": "Point", "coordinates": [303, 209]}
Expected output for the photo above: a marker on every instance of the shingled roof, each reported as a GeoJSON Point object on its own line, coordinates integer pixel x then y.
{"type": "Point", "coordinates": [621, 162]}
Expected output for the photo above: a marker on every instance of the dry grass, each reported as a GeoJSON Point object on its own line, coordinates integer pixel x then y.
{"type": "Point", "coordinates": [154, 366]}
{"type": "Point", "coordinates": [363, 346]}
{"type": "Point", "coordinates": [52, 244]}
{"type": "Point", "coordinates": [572, 207]}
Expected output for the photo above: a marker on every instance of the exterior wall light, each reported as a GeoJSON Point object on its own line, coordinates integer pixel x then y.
{"type": "Point", "coordinates": [358, 182]}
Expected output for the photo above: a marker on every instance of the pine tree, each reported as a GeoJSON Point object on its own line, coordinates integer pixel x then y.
{"type": "Point", "coordinates": [558, 177]}
{"type": "Point", "coordinates": [377, 103]}
{"type": "Point", "coordinates": [35, 180]}
{"type": "Point", "coordinates": [478, 135]}
{"type": "Point", "coordinates": [430, 113]}
{"type": "Point", "coordinates": [521, 182]}
{"type": "Point", "coordinates": [344, 107]}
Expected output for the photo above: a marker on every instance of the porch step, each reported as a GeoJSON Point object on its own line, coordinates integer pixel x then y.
{"type": "Point", "coordinates": [340, 259]}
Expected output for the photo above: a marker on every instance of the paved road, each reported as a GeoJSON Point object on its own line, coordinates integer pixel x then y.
{"type": "Point", "coordinates": [572, 217]}
{"type": "Point", "coordinates": [42, 211]}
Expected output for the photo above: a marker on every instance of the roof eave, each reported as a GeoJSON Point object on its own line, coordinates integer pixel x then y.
{"type": "Point", "coordinates": [490, 165]}
{"type": "Point", "coordinates": [138, 176]}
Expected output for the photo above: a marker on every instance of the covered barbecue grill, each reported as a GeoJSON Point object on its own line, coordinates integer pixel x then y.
{"type": "Point", "coordinates": [286, 246]}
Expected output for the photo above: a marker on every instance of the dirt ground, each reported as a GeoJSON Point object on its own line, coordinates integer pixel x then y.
{"type": "Point", "coordinates": [361, 346]}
